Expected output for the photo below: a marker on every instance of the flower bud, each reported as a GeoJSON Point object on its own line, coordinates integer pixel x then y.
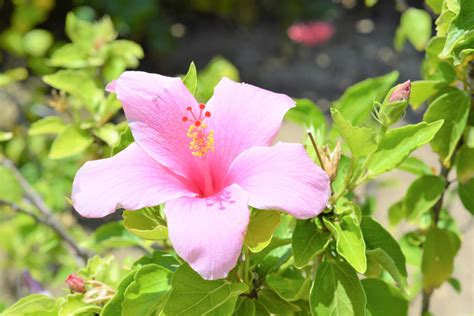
{"type": "Point", "coordinates": [401, 92]}
{"type": "Point", "coordinates": [331, 160]}
{"type": "Point", "coordinates": [393, 109]}
{"type": "Point", "coordinates": [75, 283]}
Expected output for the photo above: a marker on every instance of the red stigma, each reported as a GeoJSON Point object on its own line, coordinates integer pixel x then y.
{"type": "Point", "coordinates": [202, 106]}
{"type": "Point", "coordinates": [189, 108]}
{"type": "Point", "coordinates": [185, 118]}
{"type": "Point", "coordinates": [208, 114]}
{"type": "Point", "coordinates": [197, 123]}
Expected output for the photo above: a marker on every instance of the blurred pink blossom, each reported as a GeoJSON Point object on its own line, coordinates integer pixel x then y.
{"type": "Point", "coordinates": [311, 34]}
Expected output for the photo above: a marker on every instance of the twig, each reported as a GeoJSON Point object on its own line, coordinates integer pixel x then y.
{"type": "Point", "coordinates": [47, 217]}
{"type": "Point", "coordinates": [438, 206]}
{"type": "Point", "coordinates": [425, 303]}
{"type": "Point", "coordinates": [316, 149]}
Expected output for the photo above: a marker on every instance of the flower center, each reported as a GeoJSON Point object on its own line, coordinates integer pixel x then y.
{"type": "Point", "coordinates": [201, 140]}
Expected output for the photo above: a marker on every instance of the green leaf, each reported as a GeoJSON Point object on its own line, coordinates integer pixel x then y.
{"type": "Point", "coordinates": [69, 142]}
{"type": "Point", "coordinates": [465, 193]}
{"type": "Point", "coordinates": [190, 79]}
{"type": "Point", "coordinates": [47, 125]}
{"type": "Point", "coordinates": [398, 143]}
{"type": "Point", "coordinates": [307, 114]}
{"type": "Point", "coordinates": [460, 27]}
{"type": "Point", "coordinates": [113, 235]}
{"type": "Point", "coordinates": [455, 284]}
{"type": "Point", "coordinates": [37, 42]}
{"type": "Point", "coordinates": [453, 108]}
{"type": "Point", "coordinates": [415, 166]}
{"type": "Point", "coordinates": [4, 136]}
{"type": "Point", "coordinates": [376, 237]}
{"type": "Point", "coordinates": [415, 25]}
{"type": "Point", "coordinates": [108, 133]}
{"type": "Point", "coordinates": [145, 223]}
{"type": "Point", "coordinates": [260, 230]}
{"type": "Point", "coordinates": [32, 305]}
{"type": "Point", "coordinates": [465, 164]}
{"type": "Point", "coordinates": [361, 140]}
{"type": "Point", "coordinates": [77, 83]}
{"type": "Point", "coordinates": [245, 307]}
{"type": "Point", "coordinates": [107, 108]}
{"type": "Point", "coordinates": [191, 295]}
{"type": "Point", "coordinates": [69, 56]}
{"type": "Point", "coordinates": [307, 242]}
{"type": "Point", "coordinates": [384, 299]}
{"type": "Point", "coordinates": [142, 295]}
{"type": "Point", "coordinates": [12, 75]}
{"type": "Point", "coordinates": [161, 258]}
{"type": "Point", "coordinates": [356, 103]}
{"type": "Point", "coordinates": [126, 50]}
{"type": "Point", "coordinates": [422, 195]}
{"type": "Point", "coordinates": [289, 289]}
{"type": "Point", "coordinates": [440, 249]}
{"type": "Point", "coordinates": [74, 305]}
{"type": "Point", "coordinates": [349, 241]}
{"type": "Point", "coordinates": [275, 304]}
{"type": "Point", "coordinates": [337, 291]}
{"type": "Point", "coordinates": [396, 213]}
{"type": "Point", "coordinates": [217, 68]}
{"type": "Point", "coordinates": [114, 306]}
{"type": "Point", "coordinates": [10, 189]}
{"type": "Point", "coordinates": [422, 90]}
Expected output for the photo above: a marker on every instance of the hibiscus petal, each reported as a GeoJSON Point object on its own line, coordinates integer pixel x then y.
{"type": "Point", "coordinates": [281, 177]}
{"type": "Point", "coordinates": [155, 106]}
{"type": "Point", "coordinates": [242, 116]}
{"type": "Point", "coordinates": [208, 232]}
{"type": "Point", "coordinates": [131, 179]}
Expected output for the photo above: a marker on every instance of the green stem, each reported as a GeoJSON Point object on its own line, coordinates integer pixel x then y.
{"type": "Point", "coordinates": [247, 277]}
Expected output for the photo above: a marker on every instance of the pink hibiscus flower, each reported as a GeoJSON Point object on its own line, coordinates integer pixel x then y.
{"type": "Point", "coordinates": [206, 162]}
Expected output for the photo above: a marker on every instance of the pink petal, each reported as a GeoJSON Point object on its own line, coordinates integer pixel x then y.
{"type": "Point", "coordinates": [131, 179]}
{"type": "Point", "coordinates": [155, 106]}
{"type": "Point", "coordinates": [242, 116]}
{"type": "Point", "coordinates": [281, 177]}
{"type": "Point", "coordinates": [208, 232]}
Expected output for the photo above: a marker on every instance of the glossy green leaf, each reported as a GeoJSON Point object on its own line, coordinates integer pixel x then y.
{"type": "Point", "coordinates": [35, 304]}
{"type": "Point", "coordinates": [289, 289]}
{"type": "Point", "coordinates": [145, 223]}
{"type": "Point", "coordinates": [191, 295]}
{"type": "Point", "coordinates": [10, 189]}
{"type": "Point", "coordinates": [162, 258]}
{"type": "Point", "coordinates": [307, 242]}
{"type": "Point", "coordinates": [47, 125]}
{"type": "Point", "coordinates": [361, 140]}
{"type": "Point", "coordinates": [69, 142]}
{"type": "Point", "coordinates": [260, 230]}
{"type": "Point", "coordinates": [384, 299]}
{"type": "Point", "coordinates": [422, 195]}
{"type": "Point", "coordinates": [349, 241]}
{"type": "Point", "coordinates": [398, 143]}
{"type": "Point", "coordinates": [337, 291]}
{"type": "Point", "coordinates": [453, 108]}
{"type": "Point", "coordinates": [460, 27]}
{"type": "Point", "coordinates": [307, 114]}
{"type": "Point", "coordinates": [274, 304]}
{"type": "Point", "coordinates": [74, 305]}
{"type": "Point", "coordinates": [440, 249]}
{"type": "Point", "coordinates": [114, 306]}
{"type": "Point", "coordinates": [190, 79]}
{"type": "Point", "coordinates": [415, 166]}
{"type": "Point", "coordinates": [415, 25]}
{"type": "Point", "coordinates": [376, 237]}
{"type": "Point", "coordinates": [244, 307]}
{"type": "Point", "coordinates": [356, 103]}
{"type": "Point", "coordinates": [142, 295]}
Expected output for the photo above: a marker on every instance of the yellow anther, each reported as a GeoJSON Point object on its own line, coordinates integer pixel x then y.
{"type": "Point", "coordinates": [201, 141]}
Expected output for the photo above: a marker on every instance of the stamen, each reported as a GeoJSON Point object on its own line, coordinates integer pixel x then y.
{"type": "Point", "coordinates": [202, 141]}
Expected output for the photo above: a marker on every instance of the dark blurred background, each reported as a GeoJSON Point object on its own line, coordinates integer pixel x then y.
{"type": "Point", "coordinates": [252, 35]}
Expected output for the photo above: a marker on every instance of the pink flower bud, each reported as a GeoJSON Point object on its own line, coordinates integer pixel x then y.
{"type": "Point", "coordinates": [401, 92]}
{"type": "Point", "coordinates": [311, 34]}
{"type": "Point", "coordinates": [75, 283]}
